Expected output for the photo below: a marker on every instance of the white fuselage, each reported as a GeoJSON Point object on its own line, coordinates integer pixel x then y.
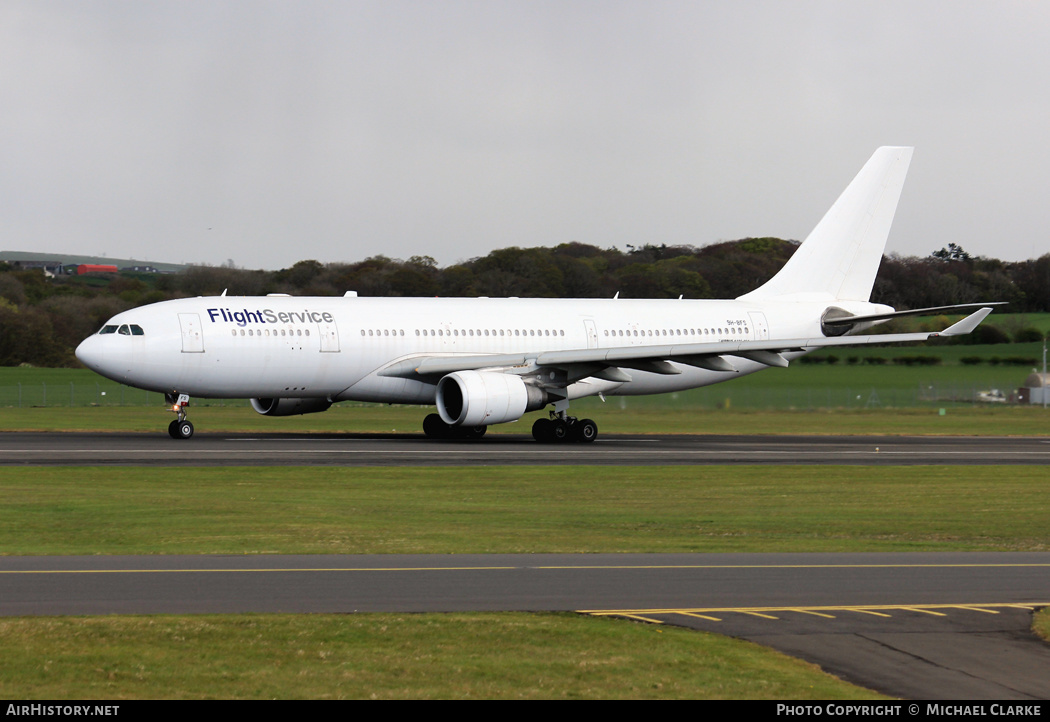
{"type": "Point", "coordinates": [335, 347]}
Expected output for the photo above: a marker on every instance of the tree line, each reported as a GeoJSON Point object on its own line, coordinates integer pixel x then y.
{"type": "Point", "coordinates": [43, 319]}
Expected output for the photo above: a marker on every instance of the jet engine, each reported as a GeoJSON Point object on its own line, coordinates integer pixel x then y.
{"type": "Point", "coordinates": [480, 398]}
{"type": "Point", "coordinates": [289, 406]}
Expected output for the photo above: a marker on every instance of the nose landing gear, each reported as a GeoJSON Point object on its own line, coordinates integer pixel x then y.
{"type": "Point", "coordinates": [180, 428]}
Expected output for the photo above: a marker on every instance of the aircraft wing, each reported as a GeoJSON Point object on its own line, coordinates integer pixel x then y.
{"type": "Point", "coordinates": [605, 362]}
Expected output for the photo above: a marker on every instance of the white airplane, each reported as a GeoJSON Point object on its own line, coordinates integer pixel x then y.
{"type": "Point", "coordinates": [485, 361]}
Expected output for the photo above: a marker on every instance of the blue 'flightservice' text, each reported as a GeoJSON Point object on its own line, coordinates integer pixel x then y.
{"type": "Point", "coordinates": [266, 315]}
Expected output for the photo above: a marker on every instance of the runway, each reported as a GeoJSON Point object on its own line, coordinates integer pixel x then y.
{"type": "Point", "coordinates": [912, 624]}
{"type": "Point", "coordinates": [223, 449]}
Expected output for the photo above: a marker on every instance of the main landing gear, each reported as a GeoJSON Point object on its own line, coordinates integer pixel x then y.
{"type": "Point", "coordinates": [180, 428]}
{"type": "Point", "coordinates": [435, 428]}
{"type": "Point", "coordinates": [561, 427]}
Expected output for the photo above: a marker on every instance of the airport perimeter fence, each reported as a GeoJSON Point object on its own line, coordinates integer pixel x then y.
{"type": "Point", "coordinates": [811, 399]}
{"type": "Point", "coordinates": [719, 396]}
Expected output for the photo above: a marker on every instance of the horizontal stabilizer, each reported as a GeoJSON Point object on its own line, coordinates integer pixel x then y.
{"type": "Point", "coordinates": [935, 310]}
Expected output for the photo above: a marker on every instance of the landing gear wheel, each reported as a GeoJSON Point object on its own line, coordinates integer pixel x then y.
{"type": "Point", "coordinates": [585, 431]}
{"type": "Point", "coordinates": [559, 430]}
{"type": "Point", "coordinates": [435, 428]}
{"type": "Point", "coordinates": [541, 430]}
{"type": "Point", "coordinates": [180, 429]}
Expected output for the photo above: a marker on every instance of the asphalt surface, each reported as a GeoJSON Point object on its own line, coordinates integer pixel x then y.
{"type": "Point", "coordinates": [922, 626]}
{"type": "Point", "coordinates": [218, 449]}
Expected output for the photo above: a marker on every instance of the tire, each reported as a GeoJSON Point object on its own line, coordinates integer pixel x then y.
{"type": "Point", "coordinates": [586, 431]}
{"type": "Point", "coordinates": [180, 429]}
{"type": "Point", "coordinates": [435, 428]}
{"type": "Point", "coordinates": [559, 430]}
{"type": "Point", "coordinates": [541, 430]}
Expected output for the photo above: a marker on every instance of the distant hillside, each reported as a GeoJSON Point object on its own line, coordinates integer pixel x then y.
{"type": "Point", "coordinates": [68, 258]}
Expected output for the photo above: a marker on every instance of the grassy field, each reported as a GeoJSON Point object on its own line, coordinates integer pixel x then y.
{"type": "Point", "coordinates": [392, 656]}
{"type": "Point", "coordinates": [449, 510]}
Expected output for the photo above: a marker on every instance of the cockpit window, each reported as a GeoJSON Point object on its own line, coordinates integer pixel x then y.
{"type": "Point", "coordinates": [126, 329]}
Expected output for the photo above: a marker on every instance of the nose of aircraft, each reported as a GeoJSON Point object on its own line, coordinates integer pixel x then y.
{"type": "Point", "coordinates": [91, 353]}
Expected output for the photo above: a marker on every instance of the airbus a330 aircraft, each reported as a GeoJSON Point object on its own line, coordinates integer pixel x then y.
{"type": "Point", "coordinates": [485, 361]}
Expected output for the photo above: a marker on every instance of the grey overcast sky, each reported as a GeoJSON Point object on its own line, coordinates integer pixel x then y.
{"type": "Point", "coordinates": [271, 132]}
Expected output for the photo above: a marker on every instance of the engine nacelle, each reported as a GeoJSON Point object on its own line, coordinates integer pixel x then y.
{"type": "Point", "coordinates": [289, 406]}
{"type": "Point", "coordinates": [480, 398]}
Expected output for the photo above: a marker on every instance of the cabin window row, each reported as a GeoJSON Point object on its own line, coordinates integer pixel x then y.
{"type": "Point", "coordinates": [467, 332]}
{"type": "Point", "coordinates": [681, 332]}
{"type": "Point", "coordinates": [266, 332]}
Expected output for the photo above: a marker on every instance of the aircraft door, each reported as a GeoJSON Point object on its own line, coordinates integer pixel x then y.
{"type": "Point", "coordinates": [192, 340]}
{"type": "Point", "coordinates": [329, 334]}
{"type": "Point", "coordinates": [759, 327]}
{"type": "Point", "coordinates": [592, 333]}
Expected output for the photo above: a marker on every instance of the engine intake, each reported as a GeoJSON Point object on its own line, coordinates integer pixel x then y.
{"type": "Point", "coordinates": [480, 398]}
{"type": "Point", "coordinates": [289, 406]}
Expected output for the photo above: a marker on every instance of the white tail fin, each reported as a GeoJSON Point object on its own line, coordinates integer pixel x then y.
{"type": "Point", "coordinates": [841, 256]}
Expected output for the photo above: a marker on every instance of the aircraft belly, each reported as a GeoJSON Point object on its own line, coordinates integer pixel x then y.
{"type": "Point", "coordinates": [389, 390]}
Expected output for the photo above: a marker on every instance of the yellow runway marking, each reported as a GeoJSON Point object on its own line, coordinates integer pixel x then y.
{"type": "Point", "coordinates": [700, 616]}
{"type": "Point", "coordinates": [246, 571]}
{"type": "Point", "coordinates": [815, 614]}
{"type": "Point", "coordinates": [924, 611]}
{"type": "Point", "coordinates": [878, 610]}
{"type": "Point", "coordinates": [539, 567]}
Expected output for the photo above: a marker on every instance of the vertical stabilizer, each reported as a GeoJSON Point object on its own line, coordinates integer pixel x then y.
{"type": "Point", "coordinates": [841, 256]}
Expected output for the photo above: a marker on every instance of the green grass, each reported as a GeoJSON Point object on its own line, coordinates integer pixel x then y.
{"type": "Point", "coordinates": [450, 510]}
{"type": "Point", "coordinates": [1041, 623]}
{"type": "Point", "coordinates": [392, 656]}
